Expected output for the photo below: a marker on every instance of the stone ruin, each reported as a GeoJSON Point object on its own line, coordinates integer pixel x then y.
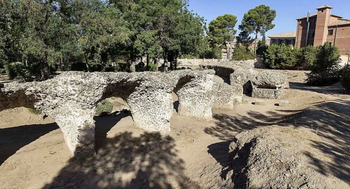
{"type": "Point", "coordinates": [71, 98]}
{"type": "Point", "coordinates": [258, 84]}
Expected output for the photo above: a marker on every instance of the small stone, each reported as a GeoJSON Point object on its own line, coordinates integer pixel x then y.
{"type": "Point", "coordinates": [258, 102]}
{"type": "Point", "coordinates": [282, 103]}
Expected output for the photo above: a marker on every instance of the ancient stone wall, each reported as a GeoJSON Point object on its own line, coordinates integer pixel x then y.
{"type": "Point", "coordinates": [71, 99]}
{"type": "Point", "coordinates": [258, 84]}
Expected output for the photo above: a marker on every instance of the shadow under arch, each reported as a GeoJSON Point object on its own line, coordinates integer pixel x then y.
{"type": "Point", "coordinates": [104, 123]}
{"type": "Point", "coordinates": [180, 83]}
{"type": "Point", "coordinates": [222, 72]}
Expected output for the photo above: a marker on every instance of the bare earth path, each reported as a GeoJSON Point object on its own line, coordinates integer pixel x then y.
{"type": "Point", "coordinates": [193, 155]}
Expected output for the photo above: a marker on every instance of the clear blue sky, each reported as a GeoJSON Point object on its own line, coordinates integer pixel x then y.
{"type": "Point", "coordinates": [287, 10]}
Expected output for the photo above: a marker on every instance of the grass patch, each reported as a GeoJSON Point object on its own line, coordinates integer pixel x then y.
{"type": "Point", "coordinates": [34, 111]}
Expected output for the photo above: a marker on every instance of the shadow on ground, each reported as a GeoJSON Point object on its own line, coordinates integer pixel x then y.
{"type": "Point", "coordinates": [14, 138]}
{"type": "Point", "coordinates": [330, 120]}
{"type": "Point", "coordinates": [103, 124]}
{"type": "Point", "coordinates": [336, 88]}
{"type": "Point", "coordinates": [126, 161]}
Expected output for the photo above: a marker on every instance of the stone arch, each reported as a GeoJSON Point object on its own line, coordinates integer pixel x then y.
{"type": "Point", "coordinates": [222, 72]}
{"type": "Point", "coordinates": [195, 94]}
{"type": "Point", "coordinates": [71, 98]}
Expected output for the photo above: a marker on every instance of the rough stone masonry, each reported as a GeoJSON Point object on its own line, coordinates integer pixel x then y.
{"type": "Point", "coordinates": [71, 99]}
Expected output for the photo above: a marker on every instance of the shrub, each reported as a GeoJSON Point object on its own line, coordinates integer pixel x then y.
{"type": "Point", "coordinates": [242, 53]}
{"type": "Point", "coordinates": [261, 48]}
{"type": "Point", "coordinates": [279, 57]}
{"type": "Point", "coordinates": [152, 67]}
{"type": "Point", "coordinates": [345, 78]}
{"type": "Point", "coordinates": [306, 57]}
{"type": "Point", "coordinates": [17, 70]}
{"type": "Point", "coordinates": [104, 107]}
{"type": "Point", "coordinates": [325, 70]}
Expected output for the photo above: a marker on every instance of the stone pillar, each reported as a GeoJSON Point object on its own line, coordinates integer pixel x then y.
{"type": "Point", "coordinates": [196, 97]}
{"type": "Point", "coordinates": [78, 127]}
{"type": "Point", "coordinates": [151, 109]}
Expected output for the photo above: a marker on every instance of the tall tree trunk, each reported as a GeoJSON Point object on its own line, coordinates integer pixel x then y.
{"type": "Point", "coordinates": [256, 37]}
{"type": "Point", "coordinates": [147, 61]}
{"type": "Point", "coordinates": [44, 70]}
{"type": "Point", "coordinates": [87, 64]}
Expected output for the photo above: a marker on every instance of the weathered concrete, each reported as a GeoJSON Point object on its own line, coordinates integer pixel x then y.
{"type": "Point", "coordinates": [71, 99]}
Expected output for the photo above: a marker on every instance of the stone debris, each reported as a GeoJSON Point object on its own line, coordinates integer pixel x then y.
{"type": "Point", "coordinates": [282, 103]}
{"type": "Point", "coordinates": [258, 102]}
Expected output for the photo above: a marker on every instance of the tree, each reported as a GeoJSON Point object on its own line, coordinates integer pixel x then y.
{"type": "Point", "coordinates": [242, 53]}
{"type": "Point", "coordinates": [30, 30]}
{"type": "Point", "coordinates": [258, 20]}
{"type": "Point", "coordinates": [345, 77]}
{"type": "Point", "coordinates": [325, 70]}
{"type": "Point", "coordinates": [244, 39]}
{"type": "Point", "coordinates": [306, 57]}
{"type": "Point", "coordinates": [222, 29]}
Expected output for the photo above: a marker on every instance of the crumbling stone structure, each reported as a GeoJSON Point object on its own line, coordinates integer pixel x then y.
{"type": "Point", "coordinates": [258, 84]}
{"type": "Point", "coordinates": [71, 99]}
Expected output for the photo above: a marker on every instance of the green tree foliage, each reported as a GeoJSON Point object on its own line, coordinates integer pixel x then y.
{"type": "Point", "coordinates": [242, 53]}
{"type": "Point", "coordinates": [222, 29]}
{"type": "Point", "coordinates": [261, 49]}
{"type": "Point", "coordinates": [325, 70]}
{"type": "Point", "coordinates": [345, 78]}
{"type": "Point", "coordinates": [306, 57]}
{"type": "Point", "coordinates": [279, 57]}
{"type": "Point", "coordinates": [257, 20]}
{"type": "Point", "coordinates": [287, 57]}
{"type": "Point", "coordinates": [41, 36]}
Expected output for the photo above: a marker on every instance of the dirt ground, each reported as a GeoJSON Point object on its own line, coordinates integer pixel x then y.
{"type": "Point", "coordinates": [194, 154]}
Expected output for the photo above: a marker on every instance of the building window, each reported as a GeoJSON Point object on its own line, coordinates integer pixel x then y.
{"type": "Point", "coordinates": [330, 32]}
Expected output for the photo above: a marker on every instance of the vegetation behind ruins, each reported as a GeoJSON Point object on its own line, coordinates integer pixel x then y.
{"type": "Point", "coordinates": [345, 77]}
{"type": "Point", "coordinates": [39, 37]}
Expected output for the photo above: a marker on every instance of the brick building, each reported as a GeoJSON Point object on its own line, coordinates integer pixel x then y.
{"type": "Point", "coordinates": [324, 27]}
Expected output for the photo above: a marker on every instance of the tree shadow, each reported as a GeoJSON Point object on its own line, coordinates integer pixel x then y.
{"type": "Point", "coordinates": [336, 88]}
{"type": "Point", "coordinates": [330, 120]}
{"type": "Point", "coordinates": [14, 138]}
{"type": "Point", "coordinates": [126, 161]}
{"type": "Point", "coordinates": [227, 127]}
{"type": "Point", "coordinates": [103, 124]}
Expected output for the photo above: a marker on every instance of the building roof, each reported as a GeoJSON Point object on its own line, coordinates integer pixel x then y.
{"type": "Point", "coordinates": [324, 7]}
{"type": "Point", "coordinates": [312, 15]}
{"type": "Point", "coordinates": [340, 22]}
{"type": "Point", "coordinates": [283, 35]}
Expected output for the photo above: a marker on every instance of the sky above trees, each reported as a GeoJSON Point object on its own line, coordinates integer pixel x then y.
{"type": "Point", "coordinates": [287, 10]}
